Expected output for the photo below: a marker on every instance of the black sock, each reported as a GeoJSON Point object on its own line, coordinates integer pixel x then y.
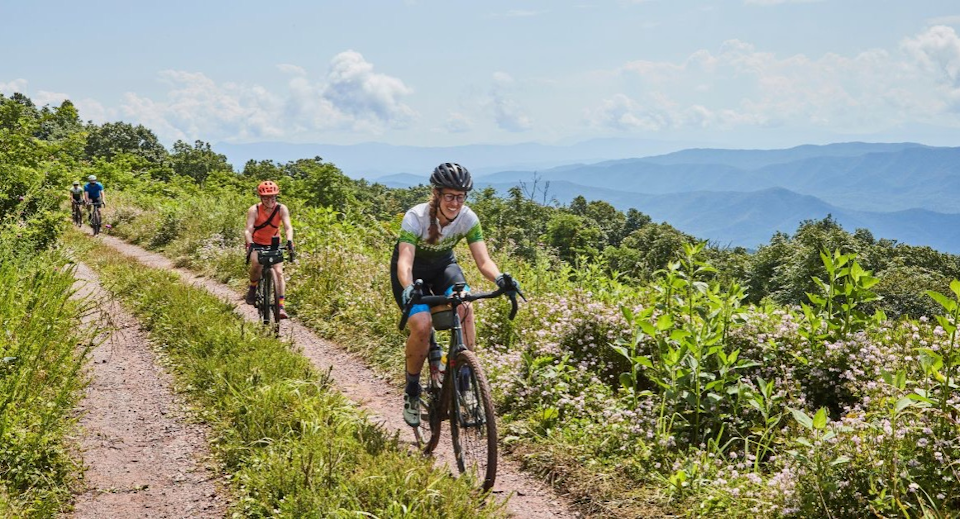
{"type": "Point", "coordinates": [413, 384]}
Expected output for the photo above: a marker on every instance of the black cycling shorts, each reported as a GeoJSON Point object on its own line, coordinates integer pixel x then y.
{"type": "Point", "coordinates": [437, 276]}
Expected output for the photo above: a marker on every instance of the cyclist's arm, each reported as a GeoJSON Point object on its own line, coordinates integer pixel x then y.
{"type": "Point", "coordinates": [251, 223]}
{"type": "Point", "coordinates": [285, 218]}
{"type": "Point", "coordinates": [103, 197]}
{"type": "Point", "coordinates": [405, 264]}
{"type": "Point", "coordinates": [486, 265]}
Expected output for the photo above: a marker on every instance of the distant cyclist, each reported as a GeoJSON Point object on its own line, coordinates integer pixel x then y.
{"type": "Point", "coordinates": [263, 223]}
{"type": "Point", "coordinates": [424, 250]}
{"type": "Point", "coordinates": [76, 193]}
{"type": "Point", "coordinates": [93, 192]}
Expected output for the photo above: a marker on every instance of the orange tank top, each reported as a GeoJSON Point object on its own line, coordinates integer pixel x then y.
{"type": "Point", "coordinates": [265, 230]}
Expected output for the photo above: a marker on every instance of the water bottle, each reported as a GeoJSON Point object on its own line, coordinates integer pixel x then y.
{"type": "Point", "coordinates": [435, 357]}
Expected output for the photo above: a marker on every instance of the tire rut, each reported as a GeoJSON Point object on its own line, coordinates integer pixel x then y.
{"type": "Point", "coordinates": [141, 454]}
{"type": "Point", "coordinates": [528, 496]}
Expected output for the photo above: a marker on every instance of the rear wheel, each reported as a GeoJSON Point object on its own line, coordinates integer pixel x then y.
{"type": "Point", "coordinates": [473, 425]}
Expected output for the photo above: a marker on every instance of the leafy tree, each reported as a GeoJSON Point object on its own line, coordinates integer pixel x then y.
{"type": "Point", "coordinates": [59, 123]}
{"type": "Point", "coordinates": [197, 161]}
{"type": "Point", "coordinates": [610, 221]}
{"type": "Point", "coordinates": [573, 236]}
{"type": "Point", "coordinates": [322, 184]}
{"type": "Point", "coordinates": [261, 170]}
{"type": "Point", "coordinates": [647, 250]}
{"type": "Point", "coordinates": [111, 139]}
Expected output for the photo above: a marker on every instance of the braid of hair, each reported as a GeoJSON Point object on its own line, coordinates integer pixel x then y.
{"type": "Point", "coordinates": [434, 231]}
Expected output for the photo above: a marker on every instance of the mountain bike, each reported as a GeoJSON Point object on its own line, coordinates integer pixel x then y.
{"type": "Point", "coordinates": [267, 300]}
{"type": "Point", "coordinates": [95, 218]}
{"type": "Point", "coordinates": [77, 213]}
{"type": "Point", "coordinates": [461, 393]}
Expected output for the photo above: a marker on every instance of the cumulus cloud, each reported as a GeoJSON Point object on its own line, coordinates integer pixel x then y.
{"type": "Point", "coordinates": [938, 50]}
{"type": "Point", "coordinates": [739, 85]}
{"type": "Point", "coordinates": [351, 97]}
{"type": "Point", "coordinates": [43, 98]}
{"type": "Point", "coordinates": [11, 87]}
{"type": "Point", "coordinates": [370, 98]}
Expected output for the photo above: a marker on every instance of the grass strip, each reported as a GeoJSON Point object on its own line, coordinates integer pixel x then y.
{"type": "Point", "coordinates": [292, 445]}
{"type": "Point", "coordinates": [40, 381]}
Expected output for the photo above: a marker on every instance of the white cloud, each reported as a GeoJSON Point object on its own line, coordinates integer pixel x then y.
{"type": "Point", "coordinates": [741, 85]}
{"type": "Point", "coordinates": [352, 97]}
{"type": "Point", "coordinates": [11, 87]}
{"type": "Point", "coordinates": [372, 99]}
{"type": "Point", "coordinates": [292, 69]}
{"type": "Point", "coordinates": [944, 20]}
{"type": "Point", "coordinates": [938, 50]}
{"type": "Point", "coordinates": [43, 98]}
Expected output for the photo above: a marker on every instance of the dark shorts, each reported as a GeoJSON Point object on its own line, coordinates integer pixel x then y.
{"type": "Point", "coordinates": [95, 201]}
{"type": "Point", "coordinates": [438, 278]}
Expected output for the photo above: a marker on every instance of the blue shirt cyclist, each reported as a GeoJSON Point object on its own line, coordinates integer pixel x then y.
{"type": "Point", "coordinates": [93, 191]}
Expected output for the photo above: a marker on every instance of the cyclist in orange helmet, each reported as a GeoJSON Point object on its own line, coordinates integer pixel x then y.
{"type": "Point", "coordinates": [263, 223]}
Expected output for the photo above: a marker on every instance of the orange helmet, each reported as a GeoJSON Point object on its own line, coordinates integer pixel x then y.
{"type": "Point", "coordinates": [267, 188]}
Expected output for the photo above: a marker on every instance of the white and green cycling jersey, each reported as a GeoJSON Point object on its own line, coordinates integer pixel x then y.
{"type": "Point", "coordinates": [415, 229]}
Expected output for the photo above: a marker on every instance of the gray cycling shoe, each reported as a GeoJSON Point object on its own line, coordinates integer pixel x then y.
{"type": "Point", "coordinates": [411, 409]}
{"type": "Point", "coordinates": [251, 295]}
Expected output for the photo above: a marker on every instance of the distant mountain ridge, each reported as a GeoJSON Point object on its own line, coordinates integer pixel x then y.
{"type": "Point", "coordinates": [904, 191]}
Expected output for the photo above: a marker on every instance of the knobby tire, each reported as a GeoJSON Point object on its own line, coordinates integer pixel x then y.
{"type": "Point", "coordinates": [473, 429]}
{"type": "Point", "coordinates": [432, 403]}
{"type": "Point", "coordinates": [269, 301]}
{"type": "Point", "coordinates": [95, 220]}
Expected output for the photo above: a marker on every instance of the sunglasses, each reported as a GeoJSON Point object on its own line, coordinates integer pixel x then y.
{"type": "Point", "coordinates": [450, 197]}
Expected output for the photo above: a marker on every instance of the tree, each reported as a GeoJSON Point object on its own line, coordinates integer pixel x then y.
{"type": "Point", "coordinates": [573, 236]}
{"type": "Point", "coordinates": [262, 170]}
{"type": "Point", "coordinates": [111, 139]}
{"type": "Point", "coordinates": [197, 161]}
{"type": "Point", "coordinates": [59, 123]}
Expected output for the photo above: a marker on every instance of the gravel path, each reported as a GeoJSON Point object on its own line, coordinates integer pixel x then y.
{"type": "Point", "coordinates": [529, 497]}
{"type": "Point", "coordinates": [143, 458]}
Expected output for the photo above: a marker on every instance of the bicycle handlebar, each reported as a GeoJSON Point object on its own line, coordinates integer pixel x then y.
{"type": "Point", "coordinates": [279, 248]}
{"type": "Point", "coordinates": [457, 299]}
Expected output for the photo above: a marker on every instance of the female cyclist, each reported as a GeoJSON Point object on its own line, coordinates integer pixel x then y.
{"type": "Point", "coordinates": [424, 250]}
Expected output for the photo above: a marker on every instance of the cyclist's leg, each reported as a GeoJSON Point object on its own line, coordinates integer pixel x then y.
{"type": "Point", "coordinates": [280, 284]}
{"type": "Point", "coordinates": [254, 266]}
{"type": "Point", "coordinates": [451, 275]}
{"type": "Point", "coordinates": [254, 276]}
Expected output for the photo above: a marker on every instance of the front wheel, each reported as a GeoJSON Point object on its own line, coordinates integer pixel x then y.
{"type": "Point", "coordinates": [473, 424]}
{"type": "Point", "coordinates": [268, 301]}
{"type": "Point", "coordinates": [95, 220]}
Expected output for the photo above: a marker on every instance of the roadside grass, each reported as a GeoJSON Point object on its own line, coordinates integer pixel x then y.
{"type": "Point", "coordinates": [42, 350]}
{"type": "Point", "coordinates": [292, 445]}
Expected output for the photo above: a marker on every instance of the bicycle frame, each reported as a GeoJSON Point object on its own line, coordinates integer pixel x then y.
{"type": "Point", "coordinates": [470, 409]}
{"type": "Point", "coordinates": [268, 259]}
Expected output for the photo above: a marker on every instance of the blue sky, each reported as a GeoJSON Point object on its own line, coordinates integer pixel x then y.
{"type": "Point", "coordinates": [734, 73]}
